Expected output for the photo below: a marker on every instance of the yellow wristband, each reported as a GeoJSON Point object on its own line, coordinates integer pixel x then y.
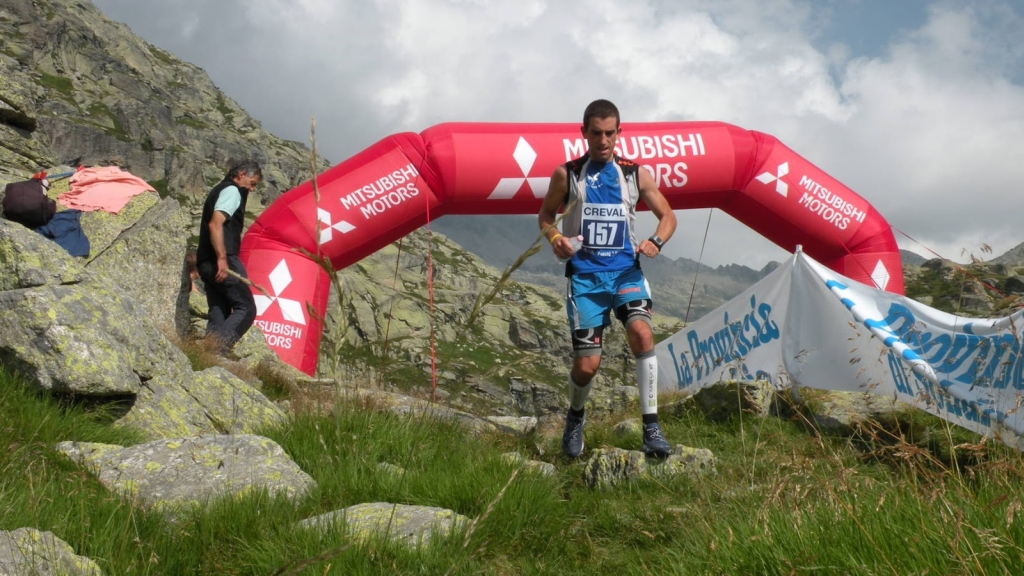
{"type": "Point", "coordinates": [554, 238]}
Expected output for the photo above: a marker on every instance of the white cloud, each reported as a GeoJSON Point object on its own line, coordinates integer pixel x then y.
{"type": "Point", "coordinates": [928, 128]}
{"type": "Point", "coordinates": [937, 136]}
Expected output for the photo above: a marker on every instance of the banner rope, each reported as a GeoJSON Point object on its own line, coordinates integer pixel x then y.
{"type": "Point", "coordinates": [430, 298]}
{"type": "Point", "coordinates": [955, 265]}
{"type": "Point", "coordinates": [693, 288]}
{"type": "Point", "coordinates": [387, 327]}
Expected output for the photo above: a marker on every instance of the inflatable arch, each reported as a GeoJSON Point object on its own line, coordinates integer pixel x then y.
{"type": "Point", "coordinates": [403, 181]}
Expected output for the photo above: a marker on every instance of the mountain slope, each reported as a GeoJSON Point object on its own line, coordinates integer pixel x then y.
{"type": "Point", "coordinates": [79, 89]}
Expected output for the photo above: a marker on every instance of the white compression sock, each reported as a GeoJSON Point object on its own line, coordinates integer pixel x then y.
{"type": "Point", "coordinates": [578, 394]}
{"type": "Point", "coordinates": [647, 382]}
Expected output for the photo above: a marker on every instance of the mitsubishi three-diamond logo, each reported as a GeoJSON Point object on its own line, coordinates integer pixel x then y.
{"type": "Point", "coordinates": [525, 156]}
{"type": "Point", "coordinates": [291, 310]}
{"type": "Point", "coordinates": [780, 186]}
{"type": "Point", "coordinates": [880, 276]}
{"type": "Point", "coordinates": [327, 232]}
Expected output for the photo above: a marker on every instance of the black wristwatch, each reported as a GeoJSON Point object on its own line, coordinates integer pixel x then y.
{"type": "Point", "coordinates": [657, 242]}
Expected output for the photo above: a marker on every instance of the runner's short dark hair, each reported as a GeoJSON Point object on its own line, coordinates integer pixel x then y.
{"type": "Point", "coordinates": [600, 109]}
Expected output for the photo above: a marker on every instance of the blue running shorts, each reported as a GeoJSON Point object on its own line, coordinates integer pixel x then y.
{"type": "Point", "coordinates": [591, 297]}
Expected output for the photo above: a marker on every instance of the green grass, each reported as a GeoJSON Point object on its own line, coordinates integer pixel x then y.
{"type": "Point", "coordinates": [163, 56]}
{"type": "Point", "coordinates": [42, 490]}
{"type": "Point", "coordinates": [223, 108]}
{"type": "Point", "coordinates": [62, 85]}
{"type": "Point", "coordinates": [471, 355]}
{"type": "Point", "coordinates": [192, 123]}
{"type": "Point", "coordinates": [946, 289]}
{"type": "Point", "coordinates": [786, 500]}
{"type": "Point", "coordinates": [161, 187]}
{"type": "Point", "coordinates": [116, 129]}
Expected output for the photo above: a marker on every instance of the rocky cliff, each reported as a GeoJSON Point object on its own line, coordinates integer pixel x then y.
{"type": "Point", "coordinates": [78, 89]}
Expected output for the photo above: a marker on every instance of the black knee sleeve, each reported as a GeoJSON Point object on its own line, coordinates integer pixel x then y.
{"type": "Point", "coordinates": [587, 342]}
{"type": "Point", "coordinates": [633, 311]}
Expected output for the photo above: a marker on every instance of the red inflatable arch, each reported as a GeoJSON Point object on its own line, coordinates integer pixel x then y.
{"type": "Point", "coordinates": [394, 186]}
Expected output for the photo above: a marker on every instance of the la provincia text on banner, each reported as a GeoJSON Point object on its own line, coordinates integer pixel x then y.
{"type": "Point", "coordinates": [809, 326]}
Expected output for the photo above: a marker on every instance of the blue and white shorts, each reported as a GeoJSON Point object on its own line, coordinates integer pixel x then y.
{"type": "Point", "coordinates": [591, 297]}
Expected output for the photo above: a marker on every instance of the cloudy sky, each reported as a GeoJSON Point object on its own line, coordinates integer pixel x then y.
{"type": "Point", "coordinates": [916, 105]}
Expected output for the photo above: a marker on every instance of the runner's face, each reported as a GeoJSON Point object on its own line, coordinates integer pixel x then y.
{"type": "Point", "coordinates": [601, 135]}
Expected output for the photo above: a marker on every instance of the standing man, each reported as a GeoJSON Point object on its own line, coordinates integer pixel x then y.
{"type": "Point", "coordinates": [232, 308]}
{"type": "Point", "coordinates": [600, 192]}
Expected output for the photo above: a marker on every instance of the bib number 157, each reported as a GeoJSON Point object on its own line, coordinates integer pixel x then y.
{"type": "Point", "coordinates": [603, 235]}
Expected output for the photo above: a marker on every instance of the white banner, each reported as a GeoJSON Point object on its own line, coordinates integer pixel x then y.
{"type": "Point", "coordinates": [819, 329]}
{"type": "Point", "coordinates": [740, 340]}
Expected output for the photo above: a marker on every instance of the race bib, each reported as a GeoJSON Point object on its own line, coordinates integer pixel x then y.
{"type": "Point", "coordinates": [604, 226]}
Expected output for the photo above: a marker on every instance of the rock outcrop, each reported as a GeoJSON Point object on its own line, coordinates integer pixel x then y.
{"type": "Point", "coordinates": [29, 551]}
{"type": "Point", "coordinates": [146, 258]}
{"type": "Point", "coordinates": [410, 525]}
{"type": "Point", "coordinates": [70, 331]}
{"type": "Point", "coordinates": [512, 359]}
{"type": "Point", "coordinates": [609, 467]}
{"type": "Point", "coordinates": [79, 89]}
{"type": "Point", "coordinates": [175, 474]}
{"type": "Point", "coordinates": [76, 332]}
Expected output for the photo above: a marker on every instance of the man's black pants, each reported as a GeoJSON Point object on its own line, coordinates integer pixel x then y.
{"type": "Point", "coordinates": [232, 308]}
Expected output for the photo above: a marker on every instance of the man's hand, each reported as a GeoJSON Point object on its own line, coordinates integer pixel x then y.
{"type": "Point", "coordinates": [659, 206]}
{"type": "Point", "coordinates": [649, 249]}
{"type": "Point", "coordinates": [548, 214]}
{"type": "Point", "coordinates": [222, 269]}
{"type": "Point", "coordinates": [563, 247]}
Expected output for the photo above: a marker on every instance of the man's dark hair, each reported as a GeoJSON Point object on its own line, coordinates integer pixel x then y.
{"type": "Point", "coordinates": [247, 167]}
{"type": "Point", "coordinates": [600, 109]}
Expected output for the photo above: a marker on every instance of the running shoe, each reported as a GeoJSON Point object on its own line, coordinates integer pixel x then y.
{"type": "Point", "coordinates": [572, 437]}
{"type": "Point", "coordinates": [654, 442]}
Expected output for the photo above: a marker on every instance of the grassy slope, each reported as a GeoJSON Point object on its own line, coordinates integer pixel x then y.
{"type": "Point", "coordinates": [785, 500]}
